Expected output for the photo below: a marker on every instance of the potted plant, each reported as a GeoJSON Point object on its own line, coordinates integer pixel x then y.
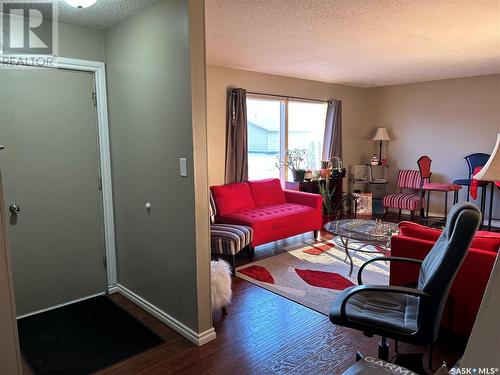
{"type": "Point", "coordinates": [333, 209]}
{"type": "Point", "coordinates": [293, 160]}
{"type": "Point", "coordinates": [328, 201]}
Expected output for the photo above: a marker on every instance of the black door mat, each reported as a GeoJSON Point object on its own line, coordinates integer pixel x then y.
{"type": "Point", "coordinates": [82, 338]}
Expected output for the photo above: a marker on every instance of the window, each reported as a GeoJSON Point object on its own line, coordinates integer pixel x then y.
{"type": "Point", "coordinates": [265, 121]}
{"type": "Point", "coordinates": [306, 130]}
{"type": "Point", "coordinates": [279, 124]}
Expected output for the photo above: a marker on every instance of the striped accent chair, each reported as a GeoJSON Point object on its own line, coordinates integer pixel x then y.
{"type": "Point", "coordinates": [411, 195]}
{"type": "Point", "coordinates": [226, 240]}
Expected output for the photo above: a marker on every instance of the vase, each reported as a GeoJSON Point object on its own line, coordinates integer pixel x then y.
{"type": "Point", "coordinates": [298, 175]}
{"type": "Point", "coordinates": [308, 176]}
{"type": "Point", "coordinates": [325, 172]}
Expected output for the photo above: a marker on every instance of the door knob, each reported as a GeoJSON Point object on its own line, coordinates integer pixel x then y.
{"type": "Point", "coordinates": [14, 209]}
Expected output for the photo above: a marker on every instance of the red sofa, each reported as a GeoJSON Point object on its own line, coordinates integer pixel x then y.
{"type": "Point", "coordinates": [415, 241]}
{"type": "Point", "coordinates": [272, 213]}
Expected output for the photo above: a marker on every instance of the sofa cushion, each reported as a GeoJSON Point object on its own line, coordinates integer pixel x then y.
{"type": "Point", "coordinates": [271, 217]}
{"type": "Point", "coordinates": [414, 230]}
{"type": "Point", "coordinates": [267, 192]}
{"type": "Point", "coordinates": [232, 197]}
{"type": "Point", "coordinates": [483, 240]}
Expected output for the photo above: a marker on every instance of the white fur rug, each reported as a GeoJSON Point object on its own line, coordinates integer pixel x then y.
{"type": "Point", "coordinates": [221, 284]}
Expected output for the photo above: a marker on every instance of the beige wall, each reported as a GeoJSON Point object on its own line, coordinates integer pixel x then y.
{"type": "Point", "coordinates": [356, 147]}
{"type": "Point", "coordinates": [444, 119]}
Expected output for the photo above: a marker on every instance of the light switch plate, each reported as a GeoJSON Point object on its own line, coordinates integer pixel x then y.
{"type": "Point", "coordinates": [183, 167]}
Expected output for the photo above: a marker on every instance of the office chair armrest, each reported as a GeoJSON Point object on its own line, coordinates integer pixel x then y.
{"type": "Point", "coordinates": [381, 288]}
{"type": "Point", "coordinates": [389, 259]}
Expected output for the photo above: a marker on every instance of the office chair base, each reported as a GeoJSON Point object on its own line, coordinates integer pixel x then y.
{"type": "Point", "coordinates": [383, 350]}
{"type": "Point", "coordinates": [412, 361]}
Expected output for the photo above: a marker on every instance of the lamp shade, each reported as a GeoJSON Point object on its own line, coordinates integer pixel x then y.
{"type": "Point", "coordinates": [381, 135]}
{"type": "Point", "coordinates": [491, 171]}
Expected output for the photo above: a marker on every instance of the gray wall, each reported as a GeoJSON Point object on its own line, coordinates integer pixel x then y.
{"type": "Point", "coordinates": [10, 357]}
{"type": "Point", "coordinates": [80, 42]}
{"type": "Point", "coordinates": [148, 72]}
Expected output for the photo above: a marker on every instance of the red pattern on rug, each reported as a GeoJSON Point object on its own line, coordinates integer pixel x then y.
{"type": "Point", "coordinates": [258, 273]}
{"type": "Point", "coordinates": [319, 249]}
{"type": "Point", "coordinates": [323, 279]}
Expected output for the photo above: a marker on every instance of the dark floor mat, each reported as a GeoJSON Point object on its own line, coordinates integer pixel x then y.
{"type": "Point", "coordinates": [82, 338]}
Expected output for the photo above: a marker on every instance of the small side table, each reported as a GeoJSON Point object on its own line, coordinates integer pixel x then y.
{"type": "Point", "coordinates": [444, 188]}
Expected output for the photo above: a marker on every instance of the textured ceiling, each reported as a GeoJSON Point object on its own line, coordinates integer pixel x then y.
{"type": "Point", "coordinates": [101, 15]}
{"type": "Point", "coordinates": [357, 42]}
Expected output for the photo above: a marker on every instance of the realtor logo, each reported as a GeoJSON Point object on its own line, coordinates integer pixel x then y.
{"type": "Point", "coordinates": [29, 28]}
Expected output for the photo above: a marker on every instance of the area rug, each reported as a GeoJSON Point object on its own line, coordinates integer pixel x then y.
{"type": "Point", "coordinates": [314, 274]}
{"type": "Point", "coordinates": [82, 338]}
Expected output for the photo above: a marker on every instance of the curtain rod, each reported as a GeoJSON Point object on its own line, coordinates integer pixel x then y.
{"type": "Point", "coordinates": [287, 97]}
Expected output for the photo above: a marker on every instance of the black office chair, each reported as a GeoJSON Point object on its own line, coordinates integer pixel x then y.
{"type": "Point", "coordinates": [407, 314]}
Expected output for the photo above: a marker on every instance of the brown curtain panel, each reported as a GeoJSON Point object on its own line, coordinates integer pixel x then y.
{"type": "Point", "coordinates": [236, 136]}
{"type": "Point", "coordinates": [332, 142]}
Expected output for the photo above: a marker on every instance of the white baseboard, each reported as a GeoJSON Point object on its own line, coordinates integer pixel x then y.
{"type": "Point", "coordinates": [113, 288]}
{"type": "Point", "coordinates": [197, 338]}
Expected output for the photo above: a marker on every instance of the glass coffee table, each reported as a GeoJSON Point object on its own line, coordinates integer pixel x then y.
{"type": "Point", "coordinates": [362, 233]}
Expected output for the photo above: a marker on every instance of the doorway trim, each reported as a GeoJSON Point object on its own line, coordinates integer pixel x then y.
{"type": "Point", "coordinates": [99, 70]}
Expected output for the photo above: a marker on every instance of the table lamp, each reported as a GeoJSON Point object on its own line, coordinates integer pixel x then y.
{"type": "Point", "coordinates": [491, 171]}
{"type": "Point", "coordinates": [381, 135]}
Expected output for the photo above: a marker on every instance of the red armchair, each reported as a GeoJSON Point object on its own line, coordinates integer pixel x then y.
{"type": "Point", "coordinates": [415, 241]}
{"type": "Point", "coordinates": [272, 213]}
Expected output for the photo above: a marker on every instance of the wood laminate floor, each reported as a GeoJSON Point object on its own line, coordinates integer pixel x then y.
{"type": "Point", "coordinates": [263, 333]}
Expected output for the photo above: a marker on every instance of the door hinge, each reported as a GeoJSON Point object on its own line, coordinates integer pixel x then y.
{"type": "Point", "coordinates": [94, 98]}
{"type": "Point", "coordinates": [99, 183]}
{"type": "Point", "coordinates": [104, 262]}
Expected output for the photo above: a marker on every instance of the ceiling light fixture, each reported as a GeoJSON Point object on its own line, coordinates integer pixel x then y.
{"type": "Point", "coordinates": [80, 3]}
